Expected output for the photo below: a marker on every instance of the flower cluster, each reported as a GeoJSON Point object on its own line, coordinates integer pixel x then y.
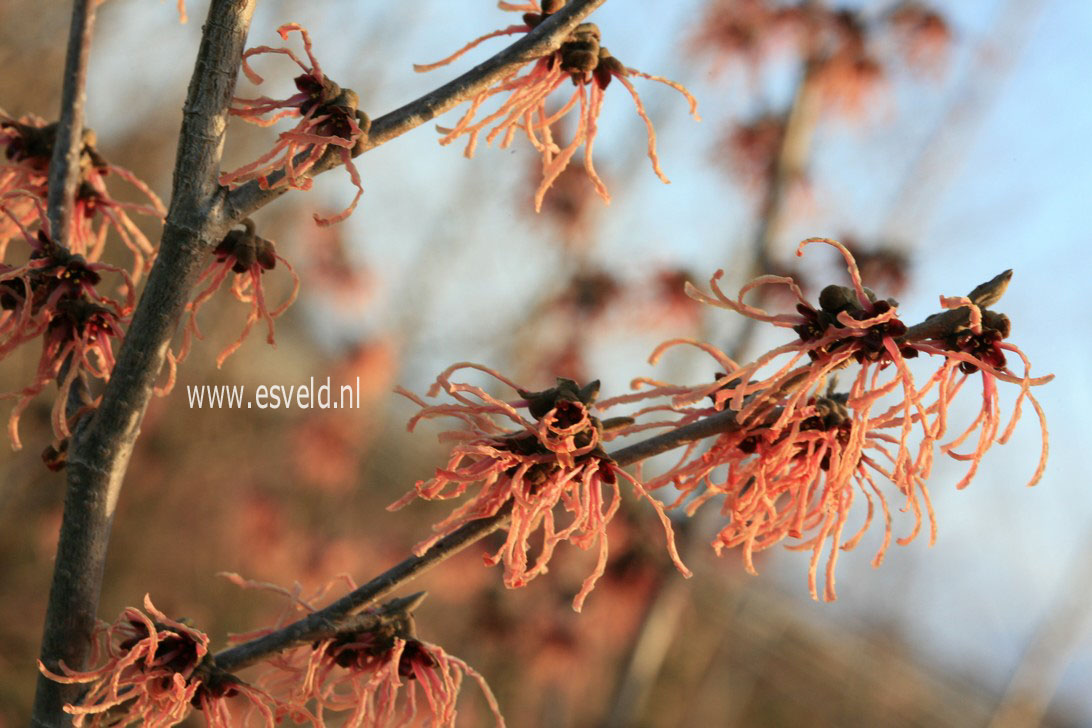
{"type": "Point", "coordinates": [155, 670]}
{"type": "Point", "coordinates": [329, 124]}
{"type": "Point", "coordinates": [52, 289]}
{"type": "Point", "coordinates": [247, 256]}
{"type": "Point", "coordinates": [581, 59]}
{"type": "Point", "coordinates": [531, 465]}
{"type": "Point", "coordinates": [798, 451]}
{"type": "Point", "coordinates": [373, 669]}
{"type": "Point", "coordinates": [24, 178]}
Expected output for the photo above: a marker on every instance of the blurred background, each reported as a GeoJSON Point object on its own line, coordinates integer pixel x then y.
{"type": "Point", "coordinates": [943, 148]}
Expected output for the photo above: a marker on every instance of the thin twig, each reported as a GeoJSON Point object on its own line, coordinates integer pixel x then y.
{"type": "Point", "coordinates": [64, 167]}
{"type": "Point", "coordinates": [76, 616]}
{"type": "Point", "coordinates": [543, 40]}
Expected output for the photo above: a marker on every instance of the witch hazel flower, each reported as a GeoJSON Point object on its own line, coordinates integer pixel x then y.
{"type": "Point", "coordinates": [54, 297]}
{"type": "Point", "coordinates": [848, 326]}
{"type": "Point", "coordinates": [796, 483]}
{"type": "Point", "coordinates": [792, 459]}
{"type": "Point", "coordinates": [535, 464]}
{"type": "Point", "coordinates": [329, 124]}
{"type": "Point", "coordinates": [580, 59]}
{"type": "Point", "coordinates": [377, 672]}
{"type": "Point", "coordinates": [972, 340]}
{"type": "Point", "coordinates": [154, 670]}
{"type": "Point", "coordinates": [246, 257]}
{"type": "Point", "coordinates": [373, 669]}
{"type": "Point", "coordinates": [29, 149]}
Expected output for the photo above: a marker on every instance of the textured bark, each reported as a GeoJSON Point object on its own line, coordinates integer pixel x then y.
{"type": "Point", "coordinates": [100, 449]}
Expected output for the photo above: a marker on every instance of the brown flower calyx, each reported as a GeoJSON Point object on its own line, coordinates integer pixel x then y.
{"type": "Point", "coordinates": [366, 638]}
{"type": "Point", "coordinates": [567, 405]}
{"type": "Point", "coordinates": [549, 7]}
{"type": "Point", "coordinates": [247, 248]}
{"type": "Point", "coordinates": [339, 105]}
{"type": "Point", "coordinates": [585, 60]}
{"type": "Point", "coordinates": [540, 403]}
{"type": "Point", "coordinates": [55, 456]}
{"type": "Point", "coordinates": [835, 300]}
{"type": "Point", "coordinates": [34, 144]}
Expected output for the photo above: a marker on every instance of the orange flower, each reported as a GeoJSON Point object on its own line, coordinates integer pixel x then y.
{"type": "Point", "coordinates": [373, 673]}
{"type": "Point", "coordinates": [978, 347]}
{"type": "Point", "coordinates": [153, 671]}
{"type": "Point", "coordinates": [330, 122]}
{"type": "Point", "coordinates": [248, 257]}
{"type": "Point", "coordinates": [24, 180]}
{"type": "Point", "coordinates": [554, 458]}
{"type": "Point", "coordinates": [589, 66]}
{"type": "Point", "coordinates": [54, 295]}
{"type": "Point", "coordinates": [795, 457]}
{"type": "Point", "coordinates": [800, 479]}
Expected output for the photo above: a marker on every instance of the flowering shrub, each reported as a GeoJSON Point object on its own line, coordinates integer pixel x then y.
{"type": "Point", "coordinates": [329, 123]}
{"type": "Point", "coordinates": [371, 668]}
{"type": "Point", "coordinates": [798, 449]}
{"type": "Point", "coordinates": [788, 444]}
{"type": "Point", "coordinates": [246, 256]}
{"type": "Point", "coordinates": [51, 290]}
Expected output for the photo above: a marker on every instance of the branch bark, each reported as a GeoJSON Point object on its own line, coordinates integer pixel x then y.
{"type": "Point", "coordinates": [64, 168]}
{"type": "Point", "coordinates": [201, 212]}
{"type": "Point", "coordinates": [99, 451]}
{"type": "Point", "coordinates": [325, 622]}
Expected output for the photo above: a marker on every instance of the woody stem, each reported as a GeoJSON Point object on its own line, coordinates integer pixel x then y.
{"type": "Point", "coordinates": [64, 167]}
{"type": "Point", "coordinates": [100, 448]}
{"type": "Point", "coordinates": [325, 622]}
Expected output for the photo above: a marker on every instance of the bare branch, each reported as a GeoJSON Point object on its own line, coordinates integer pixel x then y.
{"type": "Point", "coordinates": [64, 168]}
{"type": "Point", "coordinates": [99, 451]}
{"type": "Point", "coordinates": [543, 40]}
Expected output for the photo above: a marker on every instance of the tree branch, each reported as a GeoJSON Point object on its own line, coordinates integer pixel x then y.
{"type": "Point", "coordinates": [64, 174]}
{"type": "Point", "coordinates": [324, 622]}
{"type": "Point", "coordinates": [64, 168]}
{"type": "Point", "coordinates": [541, 41]}
{"type": "Point", "coordinates": [99, 450]}
{"type": "Point", "coordinates": [201, 212]}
